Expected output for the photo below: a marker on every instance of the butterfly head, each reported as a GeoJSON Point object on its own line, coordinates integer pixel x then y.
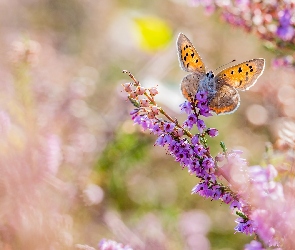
{"type": "Point", "coordinates": [210, 74]}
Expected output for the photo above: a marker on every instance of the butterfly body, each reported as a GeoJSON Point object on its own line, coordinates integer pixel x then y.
{"type": "Point", "coordinates": [222, 88]}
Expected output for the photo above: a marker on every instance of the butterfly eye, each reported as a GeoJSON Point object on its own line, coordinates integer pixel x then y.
{"type": "Point", "coordinates": [212, 75]}
{"type": "Point", "coordinates": [207, 74]}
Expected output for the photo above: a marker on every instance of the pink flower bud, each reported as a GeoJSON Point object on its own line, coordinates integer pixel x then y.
{"type": "Point", "coordinates": [153, 91]}
{"type": "Point", "coordinates": [144, 103]}
{"type": "Point", "coordinates": [127, 87]}
{"type": "Point", "coordinates": [155, 110]}
{"type": "Point", "coordinates": [150, 115]}
{"type": "Point", "coordinates": [140, 90]}
{"type": "Point", "coordinates": [133, 95]}
{"type": "Point", "coordinates": [179, 132]}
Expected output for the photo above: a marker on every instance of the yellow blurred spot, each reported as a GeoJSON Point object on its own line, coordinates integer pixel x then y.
{"type": "Point", "coordinates": [152, 33]}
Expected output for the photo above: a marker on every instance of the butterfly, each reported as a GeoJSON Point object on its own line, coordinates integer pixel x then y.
{"type": "Point", "coordinates": [223, 88]}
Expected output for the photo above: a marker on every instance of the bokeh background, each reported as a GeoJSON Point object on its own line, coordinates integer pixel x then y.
{"type": "Point", "coordinates": [73, 168]}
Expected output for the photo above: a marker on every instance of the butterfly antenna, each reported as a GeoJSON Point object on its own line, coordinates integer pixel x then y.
{"type": "Point", "coordinates": [225, 64]}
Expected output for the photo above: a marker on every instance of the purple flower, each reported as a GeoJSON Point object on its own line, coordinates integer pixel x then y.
{"type": "Point", "coordinates": [195, 140]}
{"type": "Point", "coordinates": [202, 189]}
{"type": "Point", "coordinates": [143, 120]}
{"type": "Point", "coordinates": [156, 129]}
{"type": "Point", "coordinates": [286, 33]}
{"type": "Point", "coordinates": [235, 204]}
{"type": "Point", "coordinates": [285, 17]}
{"type": "Point", "coordinates": [186, 107]}
{"type": "Point", "coordinates": [134, 111]}
{"type": "Point", "coordinates": [207, 190]}
{"type": "Point", "coordinates": [201, 96]}
{"type": "Point", "coordinates": [190, 121]}
{"type": "Point", "coordinates": [212, 132]}
{"type": "Point", "coordinates": [160, 141]}
{"type": "Point", "coordinates": [208, 164]}
{"type": "Point", "coordinates": [145, 123]}
{"type": "Point", "coordinates": [244, 226]}
{"type": "Point", "coordinates": [202, 104]}
{"type": "Point", "coordinates": [204, 110]}
{"type": "Point", "coordinates": [283, 61]}
{"type": "Point", "coordinates": [201, 125]}
{"type": "Point", "coordinates": [199, 150]}
{"type": "Point", "coordinates": [227, 198]}
{"type": "Point", "coordinates": [199, 188]}
{"type": "Point", "coordinates": [167, 139]}
{"type": "Point", "coordinates": [169, 127]}
{"type": "Point", "coordinates": [193, 166]}
{"type": "Point", "coordinates": [217, 192]}
{"type": "Point", "coordinates": [254, 245]}
{"type": "Point", "coordinates": [285, 30]}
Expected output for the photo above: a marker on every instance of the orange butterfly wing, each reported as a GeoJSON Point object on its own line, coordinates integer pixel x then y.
{"type": "Point", "coordinates": [225, 101]}
{"type": "Point", "coordinates": [241, 76]}
{"type": "Point", "coordinates": [189, 58]}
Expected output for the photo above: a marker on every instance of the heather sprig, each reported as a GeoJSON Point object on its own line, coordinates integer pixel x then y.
{"type": "Point", "coordinates": [191, 151]}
